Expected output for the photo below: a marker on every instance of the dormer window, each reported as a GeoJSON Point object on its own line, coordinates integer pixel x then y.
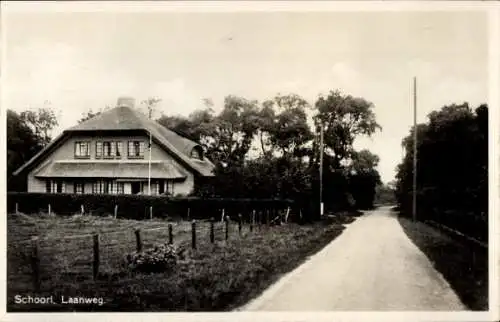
{"type": "Point", "coordinates": [135, 149]}
{"type": "Point", "coordinates": [82, 150]}
{"type": "Point", "coordinates": [108, 149]}
{"type": "Point", "coordinates": [197, 153]}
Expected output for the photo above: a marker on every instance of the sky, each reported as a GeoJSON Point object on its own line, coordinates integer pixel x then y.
{"type": "Point", "coordinates": [74, 62]}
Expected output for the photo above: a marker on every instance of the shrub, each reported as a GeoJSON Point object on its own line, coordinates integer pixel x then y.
{"type": "Point", "coordinates": [158, 259]}
{"type": "Point", "coordinates": [137, 206]}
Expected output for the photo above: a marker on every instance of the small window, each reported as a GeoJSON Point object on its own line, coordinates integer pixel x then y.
{"type": "Point", "coordinates": [82, 150]}
{"type": "Point", "coordinates": [169, 187]}
{"type": "Point", "coordinates": [79, 188]}
{"type": "Point", "coordinates": [99, 187]}
{"type": "Point", "coordinates": [135, 149]}
{"type": "Point", "coordinates": [108, 149]}
{"type": "Point", "coordinates": [115, 187]}
{"type": "Point", "coordinates": [197, 153]}
{"type": "Point", "coordinates": [53, 186]}
{"type": "Point", "coordinates": [155, 188]}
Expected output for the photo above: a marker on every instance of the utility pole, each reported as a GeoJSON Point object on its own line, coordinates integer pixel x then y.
{"type": "Point", "coordinates": [149, 163]}
{"type": "Point", "coordinates": [321, 169]}
{"type": "Point", "coordinates": [414, 200]}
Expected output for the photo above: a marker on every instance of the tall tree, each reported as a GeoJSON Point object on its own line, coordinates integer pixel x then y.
{"type": "Point", "coordinates": [41, 121]}
{"type": "Point", "coordinates": [364, 178]}
{"type": "Point", "coordinates": [198, 126]}
{"type": "Point", "coordinates": [289, 131]}
{"type": "Point", "coordinates": [452, 181]}
{"type": "Point", "coordinates": [22, 145]}
{"type": "Point", "coordinates": [232, 131]}
{"type": "Point", "coordinates": [266, 120]}
{"type": "Point", "coordinates": [344, 118]}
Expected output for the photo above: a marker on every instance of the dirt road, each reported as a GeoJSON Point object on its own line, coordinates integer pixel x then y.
{"type": "Point", "coordinates": [371, 266]}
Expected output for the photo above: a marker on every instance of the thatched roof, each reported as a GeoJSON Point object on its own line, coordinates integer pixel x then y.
{"type": "Point", "coordinates": [92, 169]}
{"type": "Point", "coordinates": [127, 118]}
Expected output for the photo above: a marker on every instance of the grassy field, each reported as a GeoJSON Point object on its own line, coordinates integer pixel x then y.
{"type": "Point", "coordinates": [214, 277]}
{"type": "Point", "coordinates": [463, 265]}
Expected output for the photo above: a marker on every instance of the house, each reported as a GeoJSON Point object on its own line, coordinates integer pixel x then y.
{"type": "Point", "coordinates": [110, 154]}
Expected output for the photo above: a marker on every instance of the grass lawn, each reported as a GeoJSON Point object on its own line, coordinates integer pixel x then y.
{"type": "Point", "coordinates": [215, 277]}
{"type": "Point", "coordinates": [463, 265]}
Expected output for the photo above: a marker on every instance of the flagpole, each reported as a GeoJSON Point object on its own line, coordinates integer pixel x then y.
{"type": "Point", "coordinates": [414, 200]}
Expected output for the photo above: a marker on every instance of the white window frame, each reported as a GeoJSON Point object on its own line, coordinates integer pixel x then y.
{"type": "Point", "coordinates": [78, 149]}
{"type": "Point", "coordinates": [81, 185]}
{"type": "Point", "coordinates": [136, 149]}
{"type": "Point", "coordinates": [99, 187]}
{"type": "Point", "coordinates": [54, 186]}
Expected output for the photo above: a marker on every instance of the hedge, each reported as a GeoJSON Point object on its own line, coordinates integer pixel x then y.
{"type": "Point", "coordinates": [137, 206]}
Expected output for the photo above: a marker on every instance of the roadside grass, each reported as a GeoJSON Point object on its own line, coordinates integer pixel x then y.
{"type": "Point", "coordinates": [214, 277]}
{"type": "Point", "coordinates": [462, 264]}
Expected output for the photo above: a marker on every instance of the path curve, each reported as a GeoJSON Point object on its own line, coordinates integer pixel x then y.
{"type": "Point", "coordinates": [371, 266]}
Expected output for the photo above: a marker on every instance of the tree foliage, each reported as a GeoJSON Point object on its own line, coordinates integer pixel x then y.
{"type": "Point", "coordinates": [27, 134]}
{"type": "Point", "coordinates": [344, 118]}
{"type": "Point", "coordinates": [364, 178]}
{"type": "Point", "coordinates": [287, 160]}
{"type": "Point", "coordinates": [41, 121]}
{"type": "Point", "coordinates": [452, 168]}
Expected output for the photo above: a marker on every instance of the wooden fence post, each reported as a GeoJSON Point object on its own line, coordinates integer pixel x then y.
{"type": "Point", "coordinates": [193, 234]}
{"type": "Point", "coordinates": [170, 234]}
{"type": "Point", "coordinates": [227, 227]}
{"type": "Point", "coordinates": [287, 214]}
{"type": "Point", "coordinates": [50, 210]}
{"type": "Point", "coordinates": [252, 220]}
{"type": "Point", "coordinates": [96, 256]}
{"type": "Point", "coordinates": [212, 234]}
{"type": "Point", "coordinates": [116, 211]}
{"type": "Point", "coordinates": [35, 263]}
{"type": "Point", "coordinates": [150, 212]}
{"type": "Point", "coordinates": [17, 208]}
{"type": "Point", "coordinates": [239, 223]}
{"type": "Point", "coordinates": [138, 239]}
{"type": "Point", "coordinates": [82, 210]}
{"type": "Point", "coordinates": [223, 216]}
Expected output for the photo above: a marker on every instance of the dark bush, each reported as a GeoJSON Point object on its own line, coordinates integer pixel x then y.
{"type": "Point", "coordinates": [137, 206]}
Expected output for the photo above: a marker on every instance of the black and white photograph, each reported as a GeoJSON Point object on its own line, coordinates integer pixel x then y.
{"type": "Point", "coordinates": [173, 157]}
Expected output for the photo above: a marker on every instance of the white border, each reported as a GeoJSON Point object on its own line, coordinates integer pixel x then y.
{"type": "Point", "coordinates": [247, 6]}
{"type": "Point", "coordinates": [297, 6]}
{"type": "Point", "coordinates": [494, 161]}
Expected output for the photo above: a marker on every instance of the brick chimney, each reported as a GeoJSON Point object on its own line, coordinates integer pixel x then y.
{"type": "Point", "coordinates": [125, 101]}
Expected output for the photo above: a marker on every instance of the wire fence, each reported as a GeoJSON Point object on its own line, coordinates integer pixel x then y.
{"type": "Point", "coordinates": [34, 263]}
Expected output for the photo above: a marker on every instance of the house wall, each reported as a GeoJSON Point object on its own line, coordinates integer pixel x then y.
{"type": "Point", "coordinates": [67, 152]}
